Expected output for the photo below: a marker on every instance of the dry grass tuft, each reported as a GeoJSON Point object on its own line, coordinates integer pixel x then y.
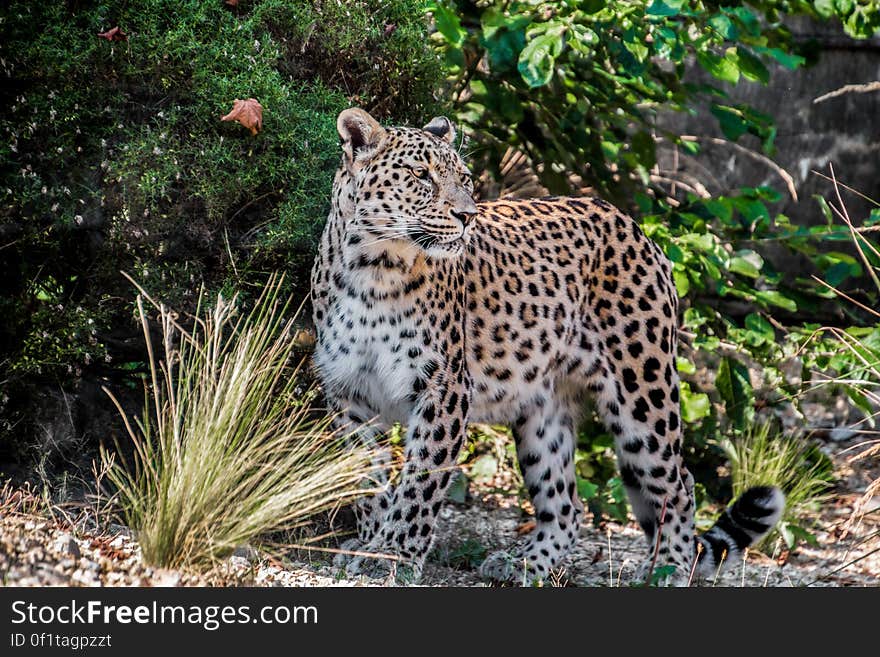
{"type": "Point", "coordinates": [226, 449]}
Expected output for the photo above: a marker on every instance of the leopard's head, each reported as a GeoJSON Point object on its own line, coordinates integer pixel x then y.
{"type": "Point", "coordinates": [404, 187]}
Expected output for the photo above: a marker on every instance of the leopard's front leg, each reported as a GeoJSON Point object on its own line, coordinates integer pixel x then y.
{"type": "Point", "coordinates": [362, 426]}
{"type": "Point", "coordinates": [435, 432]}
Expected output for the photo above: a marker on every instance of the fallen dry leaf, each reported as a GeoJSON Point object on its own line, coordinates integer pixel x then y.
{"type": "Point", "coordinates": [116, 34]}
{"type": "Point", "coordinates": [526, 527]}
{"type": "Point", "coordinates": [103, 546]}
{"type": "Point", "coordinates": [231, 3]}
{"type": "Point", "coordinates": [304, 339]}
{"type": "Point", "coordinates": [247, 112]}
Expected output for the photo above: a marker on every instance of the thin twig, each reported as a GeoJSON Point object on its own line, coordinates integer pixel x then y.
{"type": "Point", "coordinates": [847, 188]}
{"type": "Point", "coordinates": [857, 238]}
{"type": "Point", "coordinates": [846, 565]}
{"type": "Point", "coordinates": [657, 544]}
{"type": "Point", "coordinates": [848, 89]}
{"type": "Point", "coordinates": [354, 553]}
{"type": "Point", "coordinates": [845, 296]}
{"type": "Point", "coordinates": [782, 173]}
{"type": "Point", "coordinates": [693, 572]}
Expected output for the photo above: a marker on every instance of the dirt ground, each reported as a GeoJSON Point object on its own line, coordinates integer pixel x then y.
{"type": "Point", "coordinates": [68, 548]}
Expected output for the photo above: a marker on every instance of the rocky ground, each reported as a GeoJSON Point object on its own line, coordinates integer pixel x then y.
{"type": "Point", "coordinates": [44, 546]}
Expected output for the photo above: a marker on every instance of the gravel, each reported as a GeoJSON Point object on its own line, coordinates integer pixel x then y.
{"type": "Point", "coordinates": [55, 550]}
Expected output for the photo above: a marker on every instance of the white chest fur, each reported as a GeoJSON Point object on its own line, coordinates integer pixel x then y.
{"type": "Point", "coordinates": [371, 350]}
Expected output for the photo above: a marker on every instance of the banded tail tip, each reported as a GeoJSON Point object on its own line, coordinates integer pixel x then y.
{"type": "Point", "coordinates": [742, 524]}
{"type": "Point", "coordinates": [758, 510]}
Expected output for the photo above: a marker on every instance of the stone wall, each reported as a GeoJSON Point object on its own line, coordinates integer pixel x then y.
{"type": "Point", "coordinates": [843, 131]}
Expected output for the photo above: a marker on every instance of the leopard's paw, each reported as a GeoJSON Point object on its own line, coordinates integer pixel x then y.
{"type": "Point", "coordinates": [383, 566]}
{"type": "Point", "coordinates": [507, 566]}
{"type": "Point", "coordinates": [374, 567]}
{"type": "Point", "coordinates": [349, 547]}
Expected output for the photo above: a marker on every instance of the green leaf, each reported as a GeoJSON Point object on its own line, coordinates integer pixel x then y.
{"type": "Point", "coordinates": [859, 399]}
{"type": "Point", "coordinates": [682, 283]}
{"type": "Point", "coordinates": [618, 493]}
{"type": "Point", "coordinates": [826, 209]}
{"type": "Point", "coordinates": [730, 120]}
{"type": "Point", "coordinates": [747, 263]}
{"type": "Point", "coordinates": [724, 26]}
{"type": "Point", "coordinates": [787, 536]}
{"type": "Point", "coordinates": [768, 194]}
{"type": "Point", "coordinates": [735, 388]}
{"type": "Point", "coordinates": [699, 241]}
{"type": "Point", "coordinates": [754, 322]}
{"type": "Point", "coordinates": [694, 405]}
{"type": "Point", "coordinates": [802, 534]}
{"type": "Point", "coordinates": [592, 6]}
{"type": "Point", "coordinates": [776, 298]}
{"type": "Point", "coordinates": [583, 40]}
{"type": "Point", "coordinates": [787, 59]}
{"type": "Point", "coordinates": [667, 8]}
{"type": "Point", "coordinates": [837, 274]}
{"type": "Point", "coordinates": [721, 208]}
{"type": "Point", "coordinates": [448, 24]}
{"type": "Point", "coordinates": [644, 148]}
{"type": "Point", "coordinates": [538, 57]}
{"type": "Point", "coordinates": [685, 366]}
{"type": "Point", "coordinates": [752, 209]}
{"type": "Point", "coordinates": [610, 149]}
{"type": "Point", "coordinates": [843, 7]}
{"type": "Point", "coordinates": [587, 490]}
{"type": "Point", "coordinates": [750, 66]}
{"type": "Point", "coordinates": [660, 574]}
{"type": "Point", "coordinates": [746, 19]}
{"type": "Point", "coordinates": [825, 8]}
{"type": "Point", "coordinates": [458, 488]}
{"type": "Point", "coordinates": [723, 68]}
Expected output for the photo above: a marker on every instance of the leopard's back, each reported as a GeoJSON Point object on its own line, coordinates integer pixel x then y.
{"type": "Point", "coordinates": [541, 274]}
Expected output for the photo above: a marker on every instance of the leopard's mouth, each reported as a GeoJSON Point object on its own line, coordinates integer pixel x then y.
{"type": "Point", "coordinates": [438, 246]}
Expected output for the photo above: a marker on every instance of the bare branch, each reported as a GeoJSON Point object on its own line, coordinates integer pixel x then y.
{"type": "Point", "coordinates": [849, 89]}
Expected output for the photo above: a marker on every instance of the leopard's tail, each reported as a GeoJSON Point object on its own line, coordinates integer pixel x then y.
{"type": "Point", "coordinates": [742, 524]}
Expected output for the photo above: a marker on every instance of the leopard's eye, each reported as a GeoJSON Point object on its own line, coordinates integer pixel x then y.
{"type": "Point", "coordinates": [421, 173]}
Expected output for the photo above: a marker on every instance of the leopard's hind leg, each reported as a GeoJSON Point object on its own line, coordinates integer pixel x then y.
{"type": "Point", "coordinates": [637, 394]}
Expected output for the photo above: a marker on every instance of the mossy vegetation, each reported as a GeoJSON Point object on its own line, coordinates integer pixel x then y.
{"type": "Point", "coordinates": [113, 157]}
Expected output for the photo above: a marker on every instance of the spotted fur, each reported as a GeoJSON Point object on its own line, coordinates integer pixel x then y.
{"type": "Point", "coordinates": [434, 311]}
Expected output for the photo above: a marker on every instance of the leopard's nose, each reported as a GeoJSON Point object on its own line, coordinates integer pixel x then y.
{"type": "Point", "coordinates": [466, 218]}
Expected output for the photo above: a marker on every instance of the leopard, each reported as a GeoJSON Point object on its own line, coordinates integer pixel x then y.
{"type": "Point", "coordinates": [433, 311]}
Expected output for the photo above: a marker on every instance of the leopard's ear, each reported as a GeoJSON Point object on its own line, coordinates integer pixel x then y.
{"type": "Point", "coordinates": [360, 134]}
{"type": "Point", "coordinates": [441, 127]}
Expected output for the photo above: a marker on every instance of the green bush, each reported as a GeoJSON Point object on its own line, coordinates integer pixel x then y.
{"type": "Point", "coordinates": [113, 157]}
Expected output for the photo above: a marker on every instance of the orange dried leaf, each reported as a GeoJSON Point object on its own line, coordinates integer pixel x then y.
{"type": "Point", "coordinates": [115, 34]}
{"type": "Point", "coordinates": [526, 527]}
{"type": "Point", "coordinates": [247, 112]}
{"type": "Point", "coordinates": [304, 339]}
{"type": "Point", "coordinates": [232, 3]}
